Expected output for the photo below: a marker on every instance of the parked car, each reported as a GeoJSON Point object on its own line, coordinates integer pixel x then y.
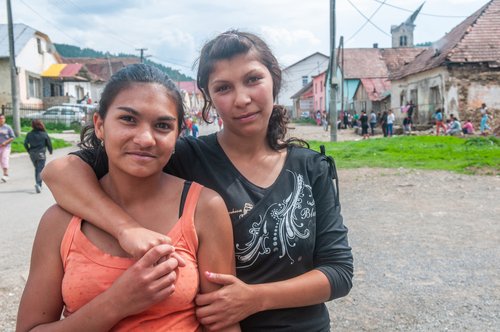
{"type": "Point", "coordinates": [305, 115]}
{"type": "Point", "coordinates": [65, 114]}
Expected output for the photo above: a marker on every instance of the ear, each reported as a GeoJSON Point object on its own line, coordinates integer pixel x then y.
{"type": "Point", "coordinates": [98, 126]}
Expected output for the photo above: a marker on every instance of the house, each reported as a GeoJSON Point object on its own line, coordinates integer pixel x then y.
{"type": "Point", "coordinates": [298, 75]}
{"type": "Point", "coordinates": [458, 73]}
{"type": "Point", "coordinates": [100, 71]}
{"type": "Point", "coordinates": [303, 100]}
{"type": "Point", "coordinates": [34, 53]}
{"type": "Point", "coordinates": [363, 73]}
{"type": "Point", "coordinates": [67, 83]}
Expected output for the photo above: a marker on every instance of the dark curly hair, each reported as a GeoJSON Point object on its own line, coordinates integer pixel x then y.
{"type": "Point", "coordinates": [228, 45]}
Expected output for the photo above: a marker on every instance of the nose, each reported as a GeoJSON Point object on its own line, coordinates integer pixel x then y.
{"type": "Point", "coordinates": [144, 137]}
{"type": "Point", "coordinates": [242, 97]}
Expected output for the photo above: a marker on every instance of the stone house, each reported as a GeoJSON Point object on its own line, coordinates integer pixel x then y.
{"type": "Point", "coordinates": [458, 73]}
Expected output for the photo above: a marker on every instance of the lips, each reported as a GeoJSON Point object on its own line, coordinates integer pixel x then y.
{"type": "Point", "coordinates": [141, 155]}
{"type": "Point", "coordinates": [247, 116]}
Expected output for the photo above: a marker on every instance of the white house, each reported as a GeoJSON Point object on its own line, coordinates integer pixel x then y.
{"type": "Point", "coordinates": [298, 75]}
{"type": "Point", "coordinates": [34, 53]}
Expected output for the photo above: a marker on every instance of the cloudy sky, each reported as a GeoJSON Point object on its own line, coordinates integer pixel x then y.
{"type": "Point", "coordinates": [174, 31]}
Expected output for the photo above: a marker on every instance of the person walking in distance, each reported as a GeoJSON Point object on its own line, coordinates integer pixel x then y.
{"type": "Point", "coordinates": [291, 247]}
{"type": "Point", "coordinates": [37, 142]}
{"type": "Point", "coordinates": [6, 138]}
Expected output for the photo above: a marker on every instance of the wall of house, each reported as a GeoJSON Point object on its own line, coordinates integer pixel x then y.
{"type": "Point", "coordinates": [319, 91]}
{"type": "Point", "coordinates": [361, 101]}
{"type": "Point", "coordinates": [292, 77]}
{"type": "Point", "coordinates": [5, 94]}
{"type": "Point", "coordinates": [475, 85]}
{"type": "Point", "coordinates": [77, 89]}
{"type": "Point", "coordinates": [418, 88]}
{"type": "Point", "coordinates": [32, 63]}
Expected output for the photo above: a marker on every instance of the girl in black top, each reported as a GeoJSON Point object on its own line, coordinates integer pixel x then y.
{"type": "Point", "coordinates": [291, 246]}
{"type": "Point", "coordinates": [37, 142]}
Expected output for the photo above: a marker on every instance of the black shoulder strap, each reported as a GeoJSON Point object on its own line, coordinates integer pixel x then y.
{"type": "Point", "coordinates": [185, 191]}
{"type": "Point", "coordinates": [333, 171]}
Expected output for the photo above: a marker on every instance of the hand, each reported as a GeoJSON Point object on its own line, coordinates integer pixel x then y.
{"type": "Point", "coordinates": [145, 283]}
{"type": "Point", "coordinates": [138, 240]}
{"type": "Point", "coordinates": [232, 303]}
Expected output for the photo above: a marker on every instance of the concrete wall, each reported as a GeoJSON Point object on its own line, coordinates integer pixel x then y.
{"type": "Point", "coordinates": [402, 91]}
{"type": "Point", "coordinates": [292, 77]}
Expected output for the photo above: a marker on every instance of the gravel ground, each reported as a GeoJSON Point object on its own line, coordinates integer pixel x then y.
{"type": "Point", "coordinates": [426, 246]}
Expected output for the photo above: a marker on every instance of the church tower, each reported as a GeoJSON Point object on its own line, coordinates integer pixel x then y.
{"type": "Point", "coordinates": [402, 35]}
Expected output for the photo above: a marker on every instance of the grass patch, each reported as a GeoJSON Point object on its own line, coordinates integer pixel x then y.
{"type": "Point", "coordinates": [18, 144]}
{"type": "Point", "coordinates": [477, 155]}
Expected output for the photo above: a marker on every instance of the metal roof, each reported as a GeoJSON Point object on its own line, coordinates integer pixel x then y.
{"type": "Point", "coordinates": [22, 35]}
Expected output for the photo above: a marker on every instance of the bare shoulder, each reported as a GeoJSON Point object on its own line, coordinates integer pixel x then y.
{"type": "Point", "coordinates": [54, 222]}
{"type": "Point", "coordinates": [211, 212]}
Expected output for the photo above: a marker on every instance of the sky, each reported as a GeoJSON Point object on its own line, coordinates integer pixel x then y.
{"type": "Point", "coordinates": [174, 31]}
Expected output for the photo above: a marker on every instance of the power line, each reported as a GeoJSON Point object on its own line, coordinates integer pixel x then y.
{"type": "Point", "coordinates": [368, 19]}
{"type": "Point", "coordinates": [366, 22]}
{"type": "Point", "coordinates": [49, 22]}
{"type": "Point", "coordinates": [421, 13]}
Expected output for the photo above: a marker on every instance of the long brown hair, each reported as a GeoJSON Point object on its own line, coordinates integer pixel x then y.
{"type": "Point", "coordinates": [228, 45]}
{"type": "Point", "coordinates": [37, 124]}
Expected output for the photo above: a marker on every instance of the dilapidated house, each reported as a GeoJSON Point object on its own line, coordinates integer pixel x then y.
{"type": "Point", "coordinates": [458, 73]}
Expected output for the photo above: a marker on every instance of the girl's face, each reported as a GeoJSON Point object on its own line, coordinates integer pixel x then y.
{"type": "Point", "coordinates": [241, 89]}
{"type": "Point", "coordinates": [140, 129]}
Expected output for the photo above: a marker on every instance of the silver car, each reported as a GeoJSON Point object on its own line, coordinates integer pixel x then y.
{"type": "Point", "coordinates": [67, 115]}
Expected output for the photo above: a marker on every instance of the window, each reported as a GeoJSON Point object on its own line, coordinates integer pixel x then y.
{"type": "Point", "coordinates": [403, 41]}
{"type": "Point", "coordinates": [34, 87]}
{"type": "Point", "coordinates": [321, 86]}
{"type": "Point", "coordinates": [56, 90]}
{"type": "Point", "coordinates": [79, 92]}
{"type": "Point", "coordinates": [304, 80]}
{"type": "Point", "coordinates": [39, 45]}
{"type": "Point", "coordinates": [402, 98]}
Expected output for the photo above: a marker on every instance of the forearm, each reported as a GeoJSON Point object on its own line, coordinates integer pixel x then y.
{"type": "Point", "coordinates": [307, 289]}
{"type": "Point", "coordinates": [97, 315]}
{"type": "Point", "coordinates": [76, 189]}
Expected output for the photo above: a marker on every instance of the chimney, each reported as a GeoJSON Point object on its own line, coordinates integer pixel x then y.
{"type": "Point", "coordinates": [375, 45]}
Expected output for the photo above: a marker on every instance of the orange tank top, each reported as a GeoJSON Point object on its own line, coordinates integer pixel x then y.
{"type": "Point", "coordinates": [88, 271]}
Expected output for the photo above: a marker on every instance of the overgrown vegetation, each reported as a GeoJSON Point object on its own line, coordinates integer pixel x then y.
{"type": "Point", "coordinates": [477, 155]}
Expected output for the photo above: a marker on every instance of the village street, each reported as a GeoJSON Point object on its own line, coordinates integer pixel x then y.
{"type": "Point", "coordinates": [426, 246]}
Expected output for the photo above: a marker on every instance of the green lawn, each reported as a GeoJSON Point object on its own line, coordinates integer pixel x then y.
{"type": "Point", "coordinates": [476, 155]}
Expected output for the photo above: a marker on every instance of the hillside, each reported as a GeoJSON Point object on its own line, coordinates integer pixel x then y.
{"type": "Point", "coordinates": [70, 51]}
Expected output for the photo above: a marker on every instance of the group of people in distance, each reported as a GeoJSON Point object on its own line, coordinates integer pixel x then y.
{"type": "Point", "coordinates": [241, 230]}
{"type": "Point", "coordinates": [454, 126]}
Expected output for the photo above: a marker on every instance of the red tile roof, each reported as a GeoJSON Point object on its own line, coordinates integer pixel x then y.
{"type": "Point", "coordinates": [475, 40]}
{"type": "Point", "coordinates": [376, 88]}
{"type": "Point", "coordinates": [103, 68]}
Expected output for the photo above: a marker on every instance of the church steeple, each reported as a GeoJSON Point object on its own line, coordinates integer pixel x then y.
{"type": "Point", "coordinates": [402, 35]}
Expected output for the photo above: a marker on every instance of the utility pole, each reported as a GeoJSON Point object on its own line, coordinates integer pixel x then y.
{"type": "Point", "coordinates": [142, 53]}
{"type": "Point", "coordinates": [333, 73]}
{"type": "Point", "coordinates": [16, 121]}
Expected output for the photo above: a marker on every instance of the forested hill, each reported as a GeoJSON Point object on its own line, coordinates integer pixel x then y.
{"type": "Point", "coordinates": [70, 51]}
